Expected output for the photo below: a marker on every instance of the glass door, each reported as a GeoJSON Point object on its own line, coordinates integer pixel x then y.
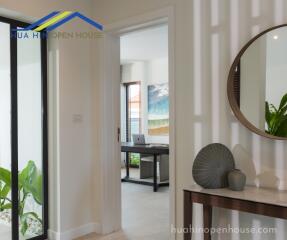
{"type": "Point", "coordinates": [23, 104]}
{"type": "Point", "coordinates": [30, 137]}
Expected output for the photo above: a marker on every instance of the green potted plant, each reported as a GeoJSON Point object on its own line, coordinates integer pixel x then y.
{"type": "Point", "coordinates": [276, 118]}
{"type": "Point", "coordinates": [30, 186]}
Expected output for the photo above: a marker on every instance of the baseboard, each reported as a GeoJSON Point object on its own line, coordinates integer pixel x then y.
{"type": "Point", "coordinates": [75, 233]}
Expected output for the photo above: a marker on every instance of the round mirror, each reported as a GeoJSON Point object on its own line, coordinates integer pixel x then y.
{"type": "Point", "coordinates": [257, 84]}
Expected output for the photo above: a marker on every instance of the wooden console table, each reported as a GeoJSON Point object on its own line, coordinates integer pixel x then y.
{"type": "Point", "coordinates": [262, 201]}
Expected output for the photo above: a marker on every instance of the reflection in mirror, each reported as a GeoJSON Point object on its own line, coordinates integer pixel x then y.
{"type": "Point", "coordinates": [260, 83]}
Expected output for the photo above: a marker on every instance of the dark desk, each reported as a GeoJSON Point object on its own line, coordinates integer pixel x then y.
{"type": "Point", "coordinates": [155, 150]}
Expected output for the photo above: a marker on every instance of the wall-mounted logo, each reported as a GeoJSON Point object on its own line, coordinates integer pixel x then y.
{"type": "Point", "coordinates": [54, 20]}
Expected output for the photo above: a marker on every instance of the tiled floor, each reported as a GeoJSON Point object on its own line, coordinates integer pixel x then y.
{"type": "Point", "coordinates": [145, 215]}
{"type": "Point", "coordinates": [134, 173]}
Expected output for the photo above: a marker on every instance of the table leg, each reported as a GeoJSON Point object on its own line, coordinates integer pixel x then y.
{"type": "Point", "coordinates": [155, 186]}
{"type": "Point", "coordinates": [187, 216]}
{"type": "Point", "coordinates": [207, 219]}
{"type": "Point", "coordinates": [127, 166]}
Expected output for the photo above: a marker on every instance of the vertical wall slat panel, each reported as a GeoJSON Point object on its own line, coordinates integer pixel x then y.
{"type": "Point", "coordinates": [220, 29]}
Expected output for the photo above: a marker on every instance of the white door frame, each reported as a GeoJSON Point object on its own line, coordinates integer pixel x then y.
{"type": "Point", "coordinates": [110, 114]}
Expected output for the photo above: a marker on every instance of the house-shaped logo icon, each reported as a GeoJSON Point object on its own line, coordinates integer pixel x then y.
{"type": "Point", "coordinates": [56, 19]}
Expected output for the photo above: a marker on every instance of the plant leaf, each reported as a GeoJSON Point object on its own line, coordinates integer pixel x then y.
{"type": "Point", "coordinates": [24, 224]}
{"type": "Point", "coordinates": [268, 115]}
{"type": "Point", "coordinates": [273, 108]}
{"type": "Point", "coordinates": [5, 191]}
{"type": "Point", "coordinates": [5, 176]}
{"type": "Point", "coordinates": [33, 215]}
{"type": "Point", "coordinates": [31, 182]}
{"type": "Point", "coordinates": [36, 188]}
{"type": "Point", "coordinates": [283, 101]}
{"type": "Point", "coordinates": [282, 129]}
{"type": "Point", "coordinates": [26, 175]}
{"type": "Point", "coordinates": [283, 110]}
{"type": "Point", "coordinates": [7, 206]}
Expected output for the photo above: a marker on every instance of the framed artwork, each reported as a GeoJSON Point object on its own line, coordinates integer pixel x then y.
{"type": "Point", "coordinates": [158, 110]}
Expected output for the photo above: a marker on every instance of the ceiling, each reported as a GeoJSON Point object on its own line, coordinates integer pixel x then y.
{"type": "Point", "coordinates": [145, 45]}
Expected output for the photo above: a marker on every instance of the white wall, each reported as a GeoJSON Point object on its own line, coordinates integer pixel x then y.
{"type": "Point", "coordinates": [134, 72]}
{"type": "Point", "coordinates": [208, 36]}
{"type": "Point", "coordinates": [148, 73]}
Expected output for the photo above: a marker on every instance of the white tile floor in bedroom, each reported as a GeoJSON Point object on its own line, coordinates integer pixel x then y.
{"type": "Point", "coordinates": [145, 214]}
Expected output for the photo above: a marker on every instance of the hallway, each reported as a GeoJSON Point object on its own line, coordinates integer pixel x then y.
{"type": "Point", "coordinates": [141, 207]}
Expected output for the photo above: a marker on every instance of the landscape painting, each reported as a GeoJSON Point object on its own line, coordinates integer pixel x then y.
{"type": "Point", "coordinates": [158, 110]}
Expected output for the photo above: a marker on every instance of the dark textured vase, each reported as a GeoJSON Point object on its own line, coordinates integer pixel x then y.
{"type": "Point", "coordinates": [236, 180]}
{"type": "Point", "coordinates": [211, 166]}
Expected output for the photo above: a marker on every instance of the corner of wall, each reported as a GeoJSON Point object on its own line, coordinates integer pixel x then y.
{"type": "Point", "coordinates": [75, 232]}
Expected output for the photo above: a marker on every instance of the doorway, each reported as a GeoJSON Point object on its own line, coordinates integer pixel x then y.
{"type": "Point", "coordinates": [145, 114]}
{"type": "Point", "coordinates": [23, 134]}
{"type": "Point", "coordinates": [110, 114]}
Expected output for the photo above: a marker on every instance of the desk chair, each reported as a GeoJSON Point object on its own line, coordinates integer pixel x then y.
{"type": "Point", "coordinates": [146, 167]}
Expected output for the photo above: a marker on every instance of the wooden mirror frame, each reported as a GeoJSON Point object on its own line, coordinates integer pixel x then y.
{"type": "Point", "coordinates": [230, 89]}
